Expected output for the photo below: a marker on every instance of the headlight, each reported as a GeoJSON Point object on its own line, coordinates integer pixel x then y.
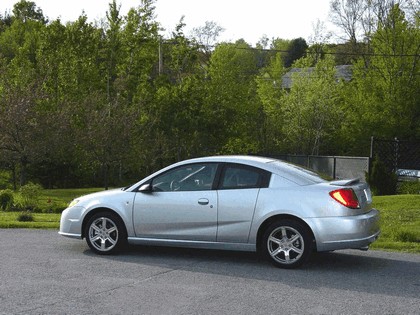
{"type": "Point", "coordinates": [73, 203]}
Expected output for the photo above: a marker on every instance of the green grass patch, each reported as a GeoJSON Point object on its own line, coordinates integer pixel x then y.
{"type": "Point", "coordinates": [400, 222]}
{"type": "Point", "coordinates": [40, 220]}
{"type": "Point", "coordinates": [47, 213]}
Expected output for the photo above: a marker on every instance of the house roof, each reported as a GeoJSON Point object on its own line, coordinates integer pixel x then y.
{"type": "Point", "coordinates": [343, 72]}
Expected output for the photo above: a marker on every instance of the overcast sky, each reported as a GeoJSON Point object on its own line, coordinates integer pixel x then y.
{"type": "Point", "coordinates": [247, 19]}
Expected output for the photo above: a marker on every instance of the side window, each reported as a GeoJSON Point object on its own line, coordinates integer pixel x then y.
{"type": "Point", "coordinates": [241, 177]}
{"type": "Point", "coordinates": [190, 177]}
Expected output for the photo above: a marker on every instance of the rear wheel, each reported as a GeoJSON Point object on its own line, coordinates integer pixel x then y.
{"type": "Point", "coordinates": [287, 243]}
{"type": "Point", "coordinates": [105, 233]}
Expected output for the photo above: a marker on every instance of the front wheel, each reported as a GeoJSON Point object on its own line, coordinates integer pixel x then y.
{"type": "Point", "coordinates": [105, 233]}
{"type": "Point", "coordinates": [287, 243]}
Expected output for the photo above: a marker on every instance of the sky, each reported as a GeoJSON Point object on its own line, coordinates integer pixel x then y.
{"type": "Point", "coordinates": [247, 19]}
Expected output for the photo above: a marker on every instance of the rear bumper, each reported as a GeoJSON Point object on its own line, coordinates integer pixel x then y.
{"type": "Point", "coordinates": [334, 233]}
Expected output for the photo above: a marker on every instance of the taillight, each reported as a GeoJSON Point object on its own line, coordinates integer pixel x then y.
{"type": "Point", "coordinates": [346, 197]}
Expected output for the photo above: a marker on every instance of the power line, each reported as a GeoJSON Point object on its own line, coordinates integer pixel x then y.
{"type": "Point", "coordinates": [307, 52]}
{"type": "Point", "coordinates": [331, 53]}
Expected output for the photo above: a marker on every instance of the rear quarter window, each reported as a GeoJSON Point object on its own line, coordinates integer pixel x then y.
{"type": "Point", "coordinates": [296, 174]}
{"type": "Point", "coordinates": [237, 176]}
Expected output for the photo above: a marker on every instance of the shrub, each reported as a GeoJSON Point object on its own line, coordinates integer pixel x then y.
{"type": "Point", "coordinates": [408, 188]}
{"type": "Point", "coordinates": [30, 194]}
{"type": "Point", "coordinates": [25, 217]}
{"type": "Point", "coordinates": [6, 199]}
{"type": "Point", "coordinates": [52, 206]}
{"type": "Point", "coordinates": [382, 180]}
{"type": "Point", "coordinates": [5, 179]}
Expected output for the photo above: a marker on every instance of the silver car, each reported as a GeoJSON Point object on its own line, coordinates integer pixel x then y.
{"type": "Point", "coordinates": [242, 203]}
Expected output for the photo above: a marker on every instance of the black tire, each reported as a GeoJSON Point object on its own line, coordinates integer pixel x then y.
{"type": "Point", "coordinates": [105, 233]}
{"type": "Point", "coordinates": [287, 243]}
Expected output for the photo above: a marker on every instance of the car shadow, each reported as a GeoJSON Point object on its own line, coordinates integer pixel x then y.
{"type": "Point", "coordinates": [344, 270]}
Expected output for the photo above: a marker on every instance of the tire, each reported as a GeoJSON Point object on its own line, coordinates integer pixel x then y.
{"type": "Point", "coordinates": [105, 233]}
{"type": "Point", "coordinates": [287, 243]}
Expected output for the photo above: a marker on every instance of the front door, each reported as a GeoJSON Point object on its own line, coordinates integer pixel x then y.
{"type": "Point", "coordinates": [181, 206]}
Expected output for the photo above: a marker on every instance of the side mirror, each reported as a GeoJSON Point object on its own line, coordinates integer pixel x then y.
{"type": "Point", "coordinates": [146, 188]}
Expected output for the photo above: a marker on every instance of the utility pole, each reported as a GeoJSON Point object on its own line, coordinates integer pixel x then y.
{"type": "Point", "coordinates": [160, 56]}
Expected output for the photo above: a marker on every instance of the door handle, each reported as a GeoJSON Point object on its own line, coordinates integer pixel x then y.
{"type": "Point", "coordinates": [203, 201]}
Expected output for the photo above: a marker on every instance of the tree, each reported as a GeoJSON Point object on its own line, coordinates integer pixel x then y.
{"type": "Point", "coordinates": [310, 111]}
{"type": "Point", "coordinates": [113, 48]}
{"type": "Point", "coordinates": [27, 10]}
{"type": "Point", "coordinates": [383, 98]}
{"type": "Point", "coordinates": [20, 123]}
{"type": "Point", "coordinates": [296, 50]}
{"type": "Point", "coordinates": [347, 15]}
{"type": "Point", "coordinates": [291, 50]}
{"type": "Point", "coordinates": [5, 21]}
{"type": "Point", "coordinates": [20, 95]}
{"type": "Point", "coordinates": [359, 19]}
{"type": "Point", "coordinates": [270, 91]}
{"type": "Point", "coordinates": [207, 35]}
{"type": "Point", "coordinates": [396, 68]}
{"type": "Point", "coordinates": [139, 55]}
{"type": "Point", "coordinates": [174, 117]}
{"type": "Point", "coordinates": [233, 112]}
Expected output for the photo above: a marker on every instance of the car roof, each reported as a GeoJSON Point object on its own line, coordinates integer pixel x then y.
{"type": "Point", "coordinates": [246, 159]}
{"type": "Point", "coordinates": [284, 169]}
{"type": "Point", "coordinates": [290, 171]}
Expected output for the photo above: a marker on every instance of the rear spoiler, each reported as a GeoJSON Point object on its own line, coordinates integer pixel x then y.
{"type": "Point", "coordinates": [345, 182]}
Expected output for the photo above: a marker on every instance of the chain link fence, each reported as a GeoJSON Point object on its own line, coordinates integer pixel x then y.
{"type": "Point", "coordinates": [393, 166]}
{"type": "Point", "coordinates": [336, 167]}
{"type": "Point", "coordinates": [399, 156]}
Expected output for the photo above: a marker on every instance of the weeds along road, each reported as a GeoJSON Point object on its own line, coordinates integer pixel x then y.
{"type": "Point", "coordinates": [44, 273]}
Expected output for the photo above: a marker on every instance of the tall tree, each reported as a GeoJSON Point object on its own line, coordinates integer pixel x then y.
{"type": "Point", "coordinates": [27, 10]}
{"type": "Point", "coordinates": [21, 124]}
{"type": "Point", "coordinates": [302, 119]}
{"type": "Point", "coordinates": [207, 36]}
{"type": "Point", "coordinates": [20, 92]}
{"type": "Point", "coordinates": [383, 98]}
{"type": "Point", "coordinates": [113, 48]}
{"type": "Point", "coordinates": [5, 21]}
{"type": "Point", "coordinates": [232, 108]}
{"type": "Point", "coordinates": [347, 15]}
{"type": "Point", "coordinates": [296, 50]}
{"type": "Point", "coordinates": [174, 116]}
{"type": "Point", "coordinates": [270, 91]}
{"type": "Point", "coordinates": [139, 57]}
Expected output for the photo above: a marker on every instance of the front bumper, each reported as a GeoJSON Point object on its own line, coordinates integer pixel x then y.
{"type": "Point", "coordinates": [71, 223]}
{"type": "Point", "coordinates": [332, 233]}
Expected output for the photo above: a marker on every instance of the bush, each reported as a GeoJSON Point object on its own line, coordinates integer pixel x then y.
{"type": "Point", "coordinates": [5, 179]}
{"type": "Point", "coordinates": [25, 217]}
{"type": "Point", "coordinates": [6, 199]}
{"type": "Point", "coordinates": [30, 194]}
{"type": "Point", "coordinates": [382, 181]}
{"type": "Point", "coordinates": [408, 188]}
{"type": "Point", "coordinates": [52, 206]}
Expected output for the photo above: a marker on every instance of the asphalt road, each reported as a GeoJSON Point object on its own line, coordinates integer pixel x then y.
{"type": "Point", "coordinates": [44, 273]}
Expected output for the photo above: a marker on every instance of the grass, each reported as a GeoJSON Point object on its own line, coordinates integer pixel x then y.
{"type": "Point", "coordinates": [67, 195]}
{"type": "Point", "coordinates": [40, 220]}
{"type": "Point", "coordinates": [51, 203]}
{"type": "Point", "coordinates": [400, 223]}
{"type": "Point", "coordinates": [400, 217]}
